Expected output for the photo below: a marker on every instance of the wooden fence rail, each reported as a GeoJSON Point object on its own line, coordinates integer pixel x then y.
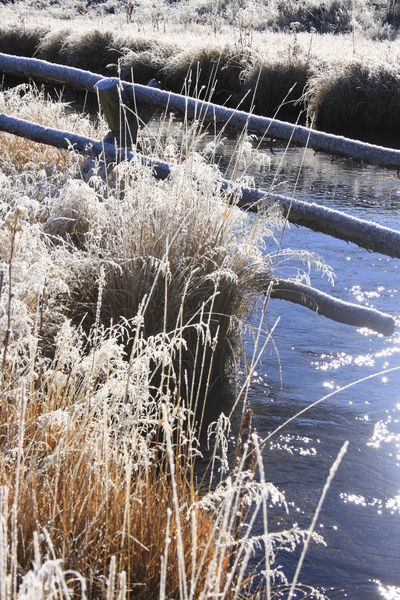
{"type": "Point", "coordinates": [207, 111]}
{"type": "Point", "coordinates": [365, 234]}
{"type": "Point", "coordinates": [114, 93]}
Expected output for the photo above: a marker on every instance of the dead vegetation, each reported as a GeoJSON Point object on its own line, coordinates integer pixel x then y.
{"type": "Point", "coordinates": [120, 298]}
{"type": "Point", "coordinates": [120, 295]}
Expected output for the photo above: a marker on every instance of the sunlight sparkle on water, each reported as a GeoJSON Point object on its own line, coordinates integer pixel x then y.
{"type": "Point", "coordinates": [329, 384]}
{"type": "Point", "coordinates": [383, 435]}
{"type": "Point", "coordinates": [376, 503]}
{"type": "Point", "coordinates": [363, 296]}
{"type": "Point", "coordinates": [356, 499]}
{"type": "Point", "coordinates": [333, 361]}
{"type": "Point", "coordinates": [329, 362]}
{"type": "Point", "coordinates": [391, 505]}
{"type": "Point", "coordinates": [388, 592]}
{"type": "Point", "coordinates": [295, 444]}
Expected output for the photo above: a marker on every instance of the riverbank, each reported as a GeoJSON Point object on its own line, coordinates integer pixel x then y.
{"type": "Point", "coordinates": [121, 298]}
{"type": "Point", "coordinates": [336, 82]}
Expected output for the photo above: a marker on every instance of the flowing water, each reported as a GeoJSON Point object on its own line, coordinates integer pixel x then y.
{"type": "Point", "coordinates": [360, 519]}
{"type": "Point", "coordinates": [312, 357]}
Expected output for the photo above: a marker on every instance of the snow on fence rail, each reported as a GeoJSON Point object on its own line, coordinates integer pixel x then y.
{"type": "Point", "coordinates": [366, 234]}
{"type": "Point", "coordinates": [207, 111]}
{"type": "Point", "coordinates": [113, 93]}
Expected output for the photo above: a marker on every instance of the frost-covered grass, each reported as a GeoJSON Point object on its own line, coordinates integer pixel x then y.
{"type": "Point", "coordinates": [378, 18]}
{"type": "Point", "coordinates": [30, 103]}
{"type": "Point", "coordinates": [120, 300]}
{"type": "Point", "coordinates": [334, 63]}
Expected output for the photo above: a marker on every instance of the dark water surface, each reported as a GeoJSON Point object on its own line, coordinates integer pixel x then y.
{"type": "Point", "coordinates": [360, 520]}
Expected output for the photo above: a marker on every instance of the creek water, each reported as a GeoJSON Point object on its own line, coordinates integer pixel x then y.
{"type": "Point", "coordinates": [312, 357]}
{"type": "Point", "coordinates": [360, 518]}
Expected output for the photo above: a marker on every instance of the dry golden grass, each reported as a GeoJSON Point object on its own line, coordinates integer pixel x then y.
{"type": "Point", "coordinates": [96, 460]}
{"type": "Point", "coordinates": [100, 414]}
{"type": "Point", "coordinates": [93, 504]}
{"type": "Point", "coordinates": [30, 103]}
{"type": "Point", "coordinates": [30, 155]}
{"type": "Point", "coordinates": [97, 455]}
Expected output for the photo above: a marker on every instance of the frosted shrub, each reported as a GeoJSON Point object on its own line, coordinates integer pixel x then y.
{"type": "Point", "coordinates": [174, 247]}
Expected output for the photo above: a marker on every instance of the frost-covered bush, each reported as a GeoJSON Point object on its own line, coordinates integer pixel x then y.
{"type": "Point", "coordinates": [119, 294]}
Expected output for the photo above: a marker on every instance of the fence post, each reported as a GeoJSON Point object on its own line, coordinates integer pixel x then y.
{"type": "Point", "coordinates": [124, 115]}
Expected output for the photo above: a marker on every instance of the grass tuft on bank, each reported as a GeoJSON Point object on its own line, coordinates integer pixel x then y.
{"type": "Point", "coordinates": [119, 308]}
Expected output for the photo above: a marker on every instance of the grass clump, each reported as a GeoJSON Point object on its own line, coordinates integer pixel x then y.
{"type": "Point", "coordinates": [356, 95]}
{"type": "Point", "coordinates": [277, 88]}
{"type": "Point", "coordinates": [119, 296]}
{"type": "Point", "coordinates": [143, 60]}
{"type": "Point", "coordinates": [92, 50]}
{"type": "Point", "coordinates": [89, 478]}
{"type": "Point", "coordinates": [211, 71]}
{"type": "Point", "coordinates": [230, 59]}
{"type": "Point", "coordinates": [188, 257]}
{"type": "Point", "coordinates": [20, 40]}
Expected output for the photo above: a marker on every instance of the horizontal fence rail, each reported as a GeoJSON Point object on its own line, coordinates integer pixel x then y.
{"type": "Point", "coordinates": [373, 236]}
{"type": "Point", "coordinates": [207, 111]}
{"type": "Point", "coordinates": [365, 234]}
